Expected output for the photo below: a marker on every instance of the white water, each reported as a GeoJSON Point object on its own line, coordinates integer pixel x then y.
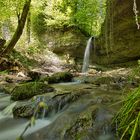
{"type": "Point", "coordinates": [11, 128]}
{"type": "Point", "coordinates": [86, 56]}
{"type": "Point", "coordinates": [11, 133]}
{"type": "Point", "coordinates": [51, 128]}
{"type": "Point", "coordinates": [8, 110]}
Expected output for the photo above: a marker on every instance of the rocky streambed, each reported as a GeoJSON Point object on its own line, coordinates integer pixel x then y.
{"type": "Point", "coordinates": [75, 111]}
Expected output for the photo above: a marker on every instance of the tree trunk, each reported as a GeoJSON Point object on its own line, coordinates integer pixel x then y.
{"type": "Point", "coordinates": [21, 22]}
{"type": "Point", "coordinates": [28, 27]}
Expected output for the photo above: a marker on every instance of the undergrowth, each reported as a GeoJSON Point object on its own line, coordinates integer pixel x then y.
{"type": "Point", "coordinates": [128, 118]}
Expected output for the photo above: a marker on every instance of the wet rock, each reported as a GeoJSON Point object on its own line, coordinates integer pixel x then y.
{"type": "Point", "coordinates": [114, 82]}
{"type": "Point", "coordinates": [60, 77]}
{"type": "Point", "coordinates": [59, 101]}
{"type": "Point", "coordinates": [80, 115]}
{"type": "Point", "coordinates": [82, 126]}
{"type": "Point", "coordinates": [23, 110]}
{"type": "Point", "coordinates": [28, 90]}
{"type": "Point", "coordinates": [54, 103]}
{"type": "Point", "coordinates": [78, 130]}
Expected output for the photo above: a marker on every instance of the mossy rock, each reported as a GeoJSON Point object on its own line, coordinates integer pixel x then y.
{"type": "Point", "coordinates": [103, 80]}
{"type": "Point", "coordinates": [60, 77]}
{"type": "Point", "coordinates": [44, 79]}
{"type": "Point", "coordinates": [23, 110]}
{"type": "Point", "coordinates": [28, 90]}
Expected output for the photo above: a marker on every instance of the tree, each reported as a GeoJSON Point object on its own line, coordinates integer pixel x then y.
{"type": "Point", "coordinates": [87, 15]}
{"type": "Point", "coordinates": [21, 23]}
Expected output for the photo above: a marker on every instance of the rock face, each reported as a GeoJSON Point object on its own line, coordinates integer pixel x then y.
{"type": "Point", "coordinates": [119, 41]}
{"type": "Point", "coordinates": [69, 41]}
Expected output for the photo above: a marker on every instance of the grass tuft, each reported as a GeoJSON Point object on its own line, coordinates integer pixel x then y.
{"type": "Point", "coordinates": [128, 117]}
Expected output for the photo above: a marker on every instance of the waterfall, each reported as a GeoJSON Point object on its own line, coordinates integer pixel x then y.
{"type": "Point", "coordinates": [87, 55]}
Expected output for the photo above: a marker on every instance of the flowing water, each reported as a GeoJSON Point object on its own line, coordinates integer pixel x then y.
{"type": "Point", "coordinates": [87, 55]}
{"type": "Point", "coordinates": [58, 125]}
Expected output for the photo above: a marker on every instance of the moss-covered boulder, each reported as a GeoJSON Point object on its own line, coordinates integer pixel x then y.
{"type": "Point", "coordinates": [60, 77]}
{"type": "Point", "coordinates": [28, 90]}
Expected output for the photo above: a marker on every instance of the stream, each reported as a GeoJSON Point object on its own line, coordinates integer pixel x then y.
{"type": "Point", "coordinates": [86, 118]}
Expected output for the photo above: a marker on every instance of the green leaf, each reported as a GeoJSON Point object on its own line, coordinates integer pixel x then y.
{"type": "Point", "coordinates": [19, 138]}
{"type": "Point", "coordinates": [32, 121]}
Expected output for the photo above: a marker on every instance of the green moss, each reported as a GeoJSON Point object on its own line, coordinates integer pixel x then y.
{"type": "Point", "coordinates": [103, 80]}
{"type": "Point", "coordinates": [44, 79]}
{"type": "Point", "coordinates": [60, 77]}
{"type": "Point", "coordinates": [4, 72]}
{"type": "Point", "coordinates": [28, 90]}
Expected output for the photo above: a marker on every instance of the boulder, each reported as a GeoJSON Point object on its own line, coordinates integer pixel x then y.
{"type": "Point", "coordinates": [28, 90]}
{"type": "Point", "coordinates": [55, 102]}
{"type": "Point", "coordinates": [23, 110]}
{"type": "Point", "coordinates": [60, 77]}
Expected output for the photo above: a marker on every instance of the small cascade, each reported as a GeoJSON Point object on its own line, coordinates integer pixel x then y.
{"type": "Point", "coordinates": [44, 109]}
{"type": "Point", "coordinates": [87, 55]}
{"type": "Point", "coordinates": [40, 112]}
{"type": "Point", "coordinates": [8, 110]}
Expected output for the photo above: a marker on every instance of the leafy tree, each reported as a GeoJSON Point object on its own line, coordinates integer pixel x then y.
{"type": "Point", "coordinates": [21, 9]}
{"type": "Point", "coordinates": [87, 15]}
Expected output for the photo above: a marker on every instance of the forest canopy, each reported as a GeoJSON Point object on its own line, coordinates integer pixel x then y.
{"type": "Point", "coordinates": [87, 15]}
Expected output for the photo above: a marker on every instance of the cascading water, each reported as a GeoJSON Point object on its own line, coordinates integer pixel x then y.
{"type": "Point", "coordinates": [8, 110]}
{"type": "Point", "coordinates": [87, 55]}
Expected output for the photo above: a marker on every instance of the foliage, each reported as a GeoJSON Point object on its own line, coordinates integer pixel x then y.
{"type": "Point", "coordinates": [87, 15]}
{"type": "Point", "coordinates": [38, 23]}
{"type": "Point", "coordinates": [128, 117]}
{"type": "Point", "coordinates": [4, 72]}
{"type": "Point", "coordinates": [33, 48]}
{"type": "Point", "coordinates": [26, 62]}
{"type": "Point", "coordinates": [10, 8]}
{"type": "Point", "coordinates": [135, 72]}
